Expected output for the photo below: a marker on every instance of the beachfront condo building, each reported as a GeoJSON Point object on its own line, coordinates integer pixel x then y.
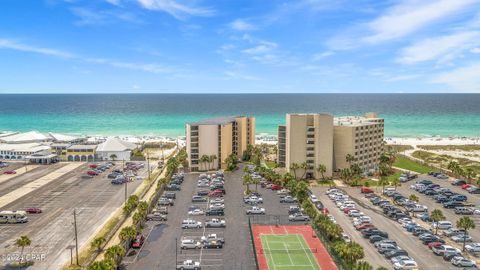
{"type": "Point", "coordinates": [358, 136]}
{"type": "Point", "coordinates": [307, 138]}
{"type": "Point", "coordinates": [218, 138]}
{"type": "Point", "coordinates": [322, 139]}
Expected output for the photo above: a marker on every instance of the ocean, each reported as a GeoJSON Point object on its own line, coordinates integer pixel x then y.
{"type": "Point", "coordinates": [406, 115]}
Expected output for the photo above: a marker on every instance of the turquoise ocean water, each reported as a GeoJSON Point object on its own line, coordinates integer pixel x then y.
{"type": "Point", "coordinates": [406, 115]}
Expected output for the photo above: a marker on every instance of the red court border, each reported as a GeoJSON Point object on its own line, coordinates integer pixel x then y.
{"type": "Point", "coordinates": [322, 256]}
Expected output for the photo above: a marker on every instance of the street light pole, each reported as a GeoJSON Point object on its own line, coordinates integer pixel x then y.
{"type": "Point", "coordinates": [76, 235]}
{"type": "Point", "coordinates": [148, 165]}
{"type": "Point", "coordinates": [176, 248]}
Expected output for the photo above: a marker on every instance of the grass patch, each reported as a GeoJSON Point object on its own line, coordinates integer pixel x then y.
{"type": "Point", "coordinates": [396, 175]}
{"type": "Point", "coordinates": [468, 147]}
{"type": "Point", "coordinates": [443, 160]}
{"type": "Point", "coordinates": [271, 164]}
{"type": "Point", "coordinates": [407, 164]}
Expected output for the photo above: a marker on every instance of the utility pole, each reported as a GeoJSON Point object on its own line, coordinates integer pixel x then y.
{"type": "Point", "coordinates": [148, 164]}
{"type": "Point", "coordinates": [76, 235]}
{"type": "Point", "coordinates": [176, 248]}
{"type": "Point", "coordinates": [126, 183]}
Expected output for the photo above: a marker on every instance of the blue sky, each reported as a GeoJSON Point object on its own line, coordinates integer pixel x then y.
{"type": "Point", "coordinates": [230, 46]}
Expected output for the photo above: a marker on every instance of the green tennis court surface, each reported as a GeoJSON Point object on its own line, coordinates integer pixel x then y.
{"type": "Point", "coordinates": [288, 251]}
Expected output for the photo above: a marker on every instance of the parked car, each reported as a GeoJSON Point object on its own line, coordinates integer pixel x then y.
{"type": "Point", "coordinates": [33, 210]}
{"type": "Point", "coordinates": [442, 249]}
{"type": "Point", "coordinates": [405, 265]}
{"type": "Point", "coordinates": [190, 244]}
{"type": "Point", "coordinates": [460, 238]}
{"type": "Point", "coordinates": [366, 190]}
{"type": "Point", "coordinates": [138, 241]}
{"type": "Point", "coordinates": [215, 212]}
{"type": "Point", "coordinates": [473, 247]}
{"type": "Point", "coordinates": [197, 198]}
{"type": "Point", "coordinates": [215, 223]}
{"type": "Point", "coordinates": [189, 265]}
{"type": "Point", "coordinates": [191, 224]}
{"type": "Point", "coordinates": [9, 172]}
{"type": "Point", "coordinates": [395, 253]}
{"type": "Point", "coordinates": [213, 244]}
{"type": "Point", "coordinates": [298, 217]}
{"type": "Point", "coordinates": [196, 212]}
{"type": "Point", "coordinates": [459, 182]}
{"type": "Point", "coordinates": [157, 216]}
{"type": "Point", "coordinates": [463, 262]}
{"type": "Point", "coordinates": [255, 211]}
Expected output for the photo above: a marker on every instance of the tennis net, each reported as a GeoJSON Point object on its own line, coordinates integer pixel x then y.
{"type": "Point", "coordinates": [287, 251]}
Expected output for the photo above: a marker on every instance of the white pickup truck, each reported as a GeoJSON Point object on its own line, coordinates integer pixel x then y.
{"type": "Point", "coordinates": [189, 264]}
{"type": "Point", "coordinates": [215, 223]}
{"type": "Point", "coordinates": [256, 211]}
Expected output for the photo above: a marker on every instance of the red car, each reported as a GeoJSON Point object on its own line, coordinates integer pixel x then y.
{"type": "Point", "coordinates": [276, 187]}
{"type": "Point", "coordinates": [466, 186]}
{"type": "Point", "coordinates": [33, 210]}
{"type": "Point", "coordinates": [92, 173]}
{"type": "Point", "coordinates": [9, 172]}
{"type": "Point", "coordinates": [348, 209]}
{"type": "Point", "coordinates": [364, 226]}
{"type": "Point", "coordinates": [434, 244]}
{"type": "Point", "coordinates": [215, 193]}
{"type": "Point", "coordinates": [138, 242]}
{"type": "Point", "coordinates": [93, 166]}
{"type": "Point", "coordinates": [366, 190]}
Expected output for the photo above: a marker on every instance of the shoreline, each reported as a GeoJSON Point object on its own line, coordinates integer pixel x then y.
{"type": "Point", "coordinates": [264, 138]}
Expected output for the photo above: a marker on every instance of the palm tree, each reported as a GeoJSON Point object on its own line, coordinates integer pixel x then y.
{"type": "Point", "coordinates": [465, 223]}
{"type": "Point", "coordinates": [294, 167]}
{"type": "Point", "coordinates": [301, 191]}
{"type": "Point", "coordinates": [436, 216]}
{"type": "Point", "coordinates": [247, 180]}
{"type": "Point", "coordinates": [97, 243]}
{"type": "Point", "coordinates": [142, 207]}
{"type": "Point", "coordinates": [362, 265]}
{"type": "Point", "coordinates": [453, 166]}
{"type": "Point", "coordinates": [355, 252]}
{"type": "Point", "coordinates": [304, 166]}
{"type": "Point", "coordinates": [382, 268]}
{"type": "Point", "coordinates": [137, 217]}
{"type": "Point", "coordinates": [114, 253]}
{"type": "Point", "coordinates": [350, 159]}
{"type": "Point", "coordinates": [23, 242]}
{"type": "Point", "coordinates": [383, 182]}
{"type": "Point", "coordinates": [127, 234]}
{"type": "Point", "coordinates": [469, 174]}
{"type": "Point", "coordinates": [102, 265]}
{"type": "Point", "coordinates": [255, 181]}
{"type": "Point", "coordinates": [113, 157]}
{"type": "Point", "coordinates": [212, 159]}
{"type": "Point", "coordinates": [204, 159]}
{"type": "Point", "coordinates": [322, 169]}
{"type": "Point", "coordinates": [395, 182]}
{"type": "Point", "coordinates": [413, 198]}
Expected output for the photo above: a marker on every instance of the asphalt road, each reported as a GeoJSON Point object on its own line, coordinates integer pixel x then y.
{"type": "Point", "coordinates": [421, 253]}
{"type": "Point", "coordinates": [371, 254]}
{"type": "Point", "coordinates": [162, 240]}
{"type": "Point", "coordinates": [52, 231]}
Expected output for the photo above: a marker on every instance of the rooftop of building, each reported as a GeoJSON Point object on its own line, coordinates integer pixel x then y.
{"type": "Point", "coordinates": [114, 144]}
{"type": "Point", "coordinates": [83, 147]}
{"type": "Point", "coordinates": [215, 121]}
{"type": "Point", "coordinates": [23, 147]}
{"type": "Point", "coordinates": [368, 119]}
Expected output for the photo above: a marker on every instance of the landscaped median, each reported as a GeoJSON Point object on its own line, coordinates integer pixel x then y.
{"type": "Point", "coordinates": [110, 239]}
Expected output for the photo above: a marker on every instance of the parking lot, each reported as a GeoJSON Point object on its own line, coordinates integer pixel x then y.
{"type": "Point", "coordinates": [371, 254]}
{"type": "Point", "coordinates": [51, 231]}
{"type": "Point", "coordinates": [449, 213]}
{"type": "Point", "coordinates": [161, 249]}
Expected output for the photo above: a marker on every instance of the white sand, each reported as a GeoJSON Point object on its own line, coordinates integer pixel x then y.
{"type": "Point", "coordinates": [432, 141]}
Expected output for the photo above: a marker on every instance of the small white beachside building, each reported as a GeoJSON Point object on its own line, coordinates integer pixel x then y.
{"type": "Point", "coordinates": [38, 137]}
{"type": "Point", "coordinates": [34, 152]}
{"type": "Point", "coordinates": [115, 149]}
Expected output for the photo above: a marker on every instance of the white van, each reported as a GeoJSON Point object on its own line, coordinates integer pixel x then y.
{"type": "Point", "coordinates": [442, 225]}
{"type": "Point", "coordinates": [13, 217]}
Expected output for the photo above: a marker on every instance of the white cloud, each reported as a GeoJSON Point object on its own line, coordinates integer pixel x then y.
{"type": "Point", "coordinates": [442, 48]}
{"type": "Point", "coordinates": [113, 2]}
{"type": "Point", "coordinates": [262, 48]}
{"type": "Point", "coordinates": [236, 75]}
{"type": "Point", "coordinates": [241, 25]}
{"type": "Point", "coordinates": [147, 67]}
{"type": "Point", "coordinates": [412, 15]}
{"type": "Point", "coordinates": [402, 78]}
{"type": "Point", "coordinates": [475, 50]}
{"type": "Point", "coordinates": [90, 17]}
{"type": "Point", "coordinates": [175, 9]}
{"type": "Point", "coordinates": [13, 45]}
{"type": "Point", "coordinates": [464, 79]}
{"type": "Point", "coordinates": [320, 56]}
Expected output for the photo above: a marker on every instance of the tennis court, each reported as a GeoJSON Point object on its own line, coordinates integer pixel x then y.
{"type": "Point", "coordinates": [288, 251]}
{"type": "Point", "coordinates": [289, 247]}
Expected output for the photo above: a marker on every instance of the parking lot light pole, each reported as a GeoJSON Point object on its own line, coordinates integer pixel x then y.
{"type": "Point", "coordinates": [148, 165]}
{"type": "Point", "coordinates": [176, 251]}
{"type": "Point", "coordinates": [76, 235]}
